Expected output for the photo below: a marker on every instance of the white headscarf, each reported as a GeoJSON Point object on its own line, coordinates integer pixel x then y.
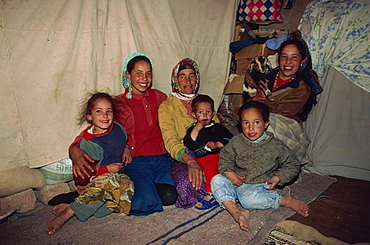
{"type": "Point", "coordinates": [186, 63]}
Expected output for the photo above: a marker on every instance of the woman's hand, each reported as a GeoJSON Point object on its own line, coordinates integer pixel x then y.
{"type": "Point", "coordinates": [80, 162]}
{"type": "Point", "coordinates": [234, 178]}
{"type": "Point", "coordinates": [273, 181]}
{"type": "Point", "coordinates": [196, 173]}
{"type": "Point", "coordinates": [114, 167]}
{"type": "Point", "coordinates": [126, 156]}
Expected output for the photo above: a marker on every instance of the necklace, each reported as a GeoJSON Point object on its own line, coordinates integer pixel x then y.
{"type": "Point", "coordinates": [282, 82]}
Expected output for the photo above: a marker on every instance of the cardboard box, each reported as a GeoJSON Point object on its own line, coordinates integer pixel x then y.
{"type": "Point", "coordinates": [254, 50]}
{"type": "Point", "coordinates": [246, 55]}
{"type": "Point", "coordinates": [235, 101]}
{"type": "Point", "coordinates": [234, 85]}
{"type": "Point", "coordinates": [272, 32]}
{"type": "Point", "coordinates": [233, 92]}
{"type": "Point", "coordinates": [242, 65]}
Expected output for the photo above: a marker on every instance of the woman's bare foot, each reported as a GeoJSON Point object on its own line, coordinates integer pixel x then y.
{"type": "Point", "coordinates": [55, 224]}
{"type": "Point", "coordinates": [240, 216]}
{"type": "Point", "coordinates": [294, 203]}
{"type": "Point", "coordinates": [58, 209]}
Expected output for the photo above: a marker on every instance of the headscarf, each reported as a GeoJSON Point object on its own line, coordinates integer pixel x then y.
{"type": "Point", "coordinates": [125, 81]}
{"type": "Point", "coordinates": [186, 63]}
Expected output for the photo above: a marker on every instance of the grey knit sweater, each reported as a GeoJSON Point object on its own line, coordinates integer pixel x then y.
{"type": "Point", "coordinates": [259, 162]}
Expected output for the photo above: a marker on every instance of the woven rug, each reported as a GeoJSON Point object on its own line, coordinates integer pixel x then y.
{"type": "Point", "coordinates": [294, 233]}
{"type": "Point", "coordinates": [172, 226]}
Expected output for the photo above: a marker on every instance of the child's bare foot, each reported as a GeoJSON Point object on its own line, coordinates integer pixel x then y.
{"type": "Point", "coordinates": [241, 217]}
{"type": "Point", "coordinates": [55, 224]}
{"type": "Point", "coordinates": [297, 205]}
{"type": "Point", "coordinates": [58, 209]}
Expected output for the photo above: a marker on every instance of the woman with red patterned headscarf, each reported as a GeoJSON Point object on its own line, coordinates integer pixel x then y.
{"type": "Point", "coordinates": [174, 119]}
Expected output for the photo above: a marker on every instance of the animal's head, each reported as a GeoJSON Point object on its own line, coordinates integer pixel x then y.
{"type": "Point", "coordinates": [261, 64]}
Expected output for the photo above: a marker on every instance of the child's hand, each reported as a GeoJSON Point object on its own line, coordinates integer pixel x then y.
{"type": "Point", "coordinates": [273, 181]}
{"type": "Point", "coordinates": [197, 127]}
{"type": "Point", "coordinates": [200, 125]}
{"type": "Point", "coordinates": [114, 167]}
{"type": "Point", "coordinates": [214, 145]}
{"type": "Point", "coordinates": [234, 178]}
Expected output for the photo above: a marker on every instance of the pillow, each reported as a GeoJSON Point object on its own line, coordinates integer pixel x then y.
{"type": "Point", "coordinates": [260, 11]}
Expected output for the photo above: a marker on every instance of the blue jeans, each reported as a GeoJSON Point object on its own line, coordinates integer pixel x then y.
{"type": "Point", "coordinates": [145, 171]}
{"type": "Point", "coordinates": [250, 196]}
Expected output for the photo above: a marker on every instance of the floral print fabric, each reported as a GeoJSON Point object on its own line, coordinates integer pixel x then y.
{"type": "Point", "coordinates": [113, 188]}
{"type": "Point", "coordinates": [337, 33]}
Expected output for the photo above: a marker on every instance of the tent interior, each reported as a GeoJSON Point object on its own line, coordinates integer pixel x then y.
{"type": "Point", "coordinates": [54, 52]}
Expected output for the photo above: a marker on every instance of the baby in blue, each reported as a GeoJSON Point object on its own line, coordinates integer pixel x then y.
{"type": "Point", "coordinates": [251, 165]}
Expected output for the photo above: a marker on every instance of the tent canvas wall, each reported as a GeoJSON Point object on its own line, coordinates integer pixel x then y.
{"type": "Point", "coordinates": [53, 52]}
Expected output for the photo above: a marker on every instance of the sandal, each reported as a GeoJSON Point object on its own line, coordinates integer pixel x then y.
{"type": "Point", "coordinates": [207, 204]}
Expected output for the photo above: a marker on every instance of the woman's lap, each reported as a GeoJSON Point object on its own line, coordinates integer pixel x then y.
{"type": "Point", "coordinates": [292, 134]}
{"type": "Point", "coordinates": [188, 196]}
{"type": "Point", "coordinates": [145, 171]}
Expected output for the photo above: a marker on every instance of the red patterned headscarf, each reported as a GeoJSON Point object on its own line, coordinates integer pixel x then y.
{"type": "Point", "coordinates": [186, 63]}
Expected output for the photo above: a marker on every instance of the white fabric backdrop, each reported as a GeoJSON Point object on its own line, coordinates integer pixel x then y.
{"type": "Point", "coordinates": [53, 52]}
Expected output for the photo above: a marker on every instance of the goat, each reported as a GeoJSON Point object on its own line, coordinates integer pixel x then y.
{"type": "Point", "coordinates": [255, 81]}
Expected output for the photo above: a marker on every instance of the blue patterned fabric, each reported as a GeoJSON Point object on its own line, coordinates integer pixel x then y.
{"type": "Point", "coordinates": [338, 35]}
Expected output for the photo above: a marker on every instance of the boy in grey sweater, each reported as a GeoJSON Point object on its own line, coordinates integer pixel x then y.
{"type": "Point", "coordinates": [251, 165]}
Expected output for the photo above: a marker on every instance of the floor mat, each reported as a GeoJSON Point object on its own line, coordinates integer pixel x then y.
{"type": "Point", "coordinates": [172, 226]}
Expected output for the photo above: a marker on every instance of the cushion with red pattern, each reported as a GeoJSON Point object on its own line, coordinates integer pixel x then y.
{"type": "Point", "coordinates": [260, 11]}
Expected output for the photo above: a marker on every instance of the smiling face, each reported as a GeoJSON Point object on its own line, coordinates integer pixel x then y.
{"type": "Point", "coordinates": [253, 124]}
{"type": "Point", "coordinates": [101, 116]}
{"type": "Point", "coordinates": [140, 77]}
{"type": "Point", "coordinates": [187, 80]}
{"type": "Point", "coordinates": [290, 61]}
{"type": "Point", "coordinates": [203, 113]}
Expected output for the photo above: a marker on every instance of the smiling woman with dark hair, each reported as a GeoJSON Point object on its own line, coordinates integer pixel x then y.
{"type": "Point", "coordinates": [294, 84]}
{"type": "Point", "coordinates": [145, 157]}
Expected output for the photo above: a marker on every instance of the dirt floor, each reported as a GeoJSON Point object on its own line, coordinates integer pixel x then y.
{"type": "Point", "coordinates": [342, 212]}
{"type": "Point", "coordinates": [172, 226]}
